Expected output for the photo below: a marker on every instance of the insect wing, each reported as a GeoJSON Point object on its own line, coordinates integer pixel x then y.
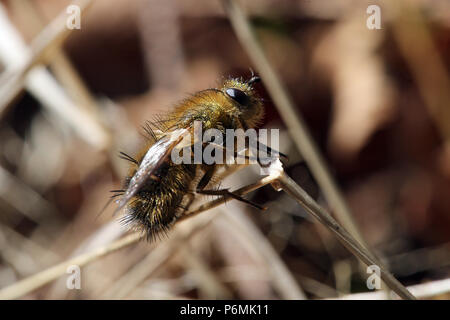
{"type": "Point", "coordinates": [155, 156]}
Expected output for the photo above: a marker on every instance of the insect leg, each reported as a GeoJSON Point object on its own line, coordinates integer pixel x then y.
{"type": "Point", "coordinates": [191, 198]}
{"type": "Point", "coordinates": [267, 148]}
{"type": "Point", "coordinates": [209, 172]}
{"type": "Point", "coordinates": [228, 193]}
{"type": "Point", "coordinates": [221, 192]}
{"type": "Point", "coordinates": [272, 151]}
{"type": "Point", "coordinates": [236, 154]}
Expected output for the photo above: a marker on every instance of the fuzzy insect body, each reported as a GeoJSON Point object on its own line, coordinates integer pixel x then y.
{"type": "Point", "coordinates": [156, 190]}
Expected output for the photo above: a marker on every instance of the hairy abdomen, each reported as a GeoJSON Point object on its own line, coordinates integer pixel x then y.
{"type": "Point", "coordinates": [157, 205]}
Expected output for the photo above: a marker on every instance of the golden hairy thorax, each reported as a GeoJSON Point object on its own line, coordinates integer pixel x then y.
{"type": "Point", "coordinates": [216, 109]}
{"type": "Point", "coordinates": [160, 201]}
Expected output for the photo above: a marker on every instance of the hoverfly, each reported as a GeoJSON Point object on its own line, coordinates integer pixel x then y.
{"type": "Point", "coordinates": [157, 191]}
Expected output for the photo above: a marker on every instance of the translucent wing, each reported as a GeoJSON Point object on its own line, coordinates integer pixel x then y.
{"type": "Point", "coordinates": [155, 156]}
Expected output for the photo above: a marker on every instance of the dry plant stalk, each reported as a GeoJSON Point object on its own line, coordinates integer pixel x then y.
{"type": "Point", "coordinates": [30, 72]}
{"type": "Point", "coordinates": [294, 122]}
{"type": "Point", "coordinates": [247, 234]}
{"type": "Point", "coordinates": [422, 291]}
{"type": "Point", "coordinates": [436, 93]}
{"type": "Point", "coordinates": [249, 237]}
{"type": "Point", "coordinates": [33, 282]}
{"type": "Point", "coordinates": [50, 38]}
{"type": "Point", "coordinates": [290, 116]}
{"type": "Point", "coordinates": [295, 191]}
{"type": "Point", "coordinates": [60, 63]}
{"type": "Point", "coordinates": [279, 180]}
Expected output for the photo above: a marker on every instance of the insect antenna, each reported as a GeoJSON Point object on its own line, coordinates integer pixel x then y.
{"type": "Point", "coordinates": [253, 79]}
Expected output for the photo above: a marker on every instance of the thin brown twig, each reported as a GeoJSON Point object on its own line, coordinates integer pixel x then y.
{"type": "Point", "coordinates": [291, 117]}
{"type": "Point", "coordinates": [283, 280]}
{"type": "Point", "coordinates": [295, 191]}
{"type": "Point", "coordinates": [41, 83]}
{"type": "Point", "coordinates": [59, 63]}
{"type": "Point", "coordinates": [33, 282]}
{"type": "Point", "coordinates": [421, 291]}
{"type": "Point", "coordinates": [242, 191]}
{"type": "Point", "coordinates": [157, 257]}
{"type": "Point", "coordinates": [281, 275]}
{"type": "Point", "coordinates": [209, 284]}
{"type": "Point", "coordinates": [410, 28]}
{"type": "Point", "coordinates": [52, 36]}
{"type": "Point", "coordinates": [280, 181]}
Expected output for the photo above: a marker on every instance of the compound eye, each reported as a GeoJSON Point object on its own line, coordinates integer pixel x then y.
{"type": "Point", "coordinates": [238, 96]}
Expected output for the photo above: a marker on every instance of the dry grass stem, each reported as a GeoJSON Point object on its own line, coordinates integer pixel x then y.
{"type": "Point", "coordinates": [294, 190]}
{"type": "Point", "coordinates": [25, 69]}
{"type": "Point", "coordinates": [31, 283]}
{"type": "Point", "coordinates": [251, 237]}
{"type": "Point", "coordinates": [421, 291]}
{"type": "Point", "coordinates": [291, 117]}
